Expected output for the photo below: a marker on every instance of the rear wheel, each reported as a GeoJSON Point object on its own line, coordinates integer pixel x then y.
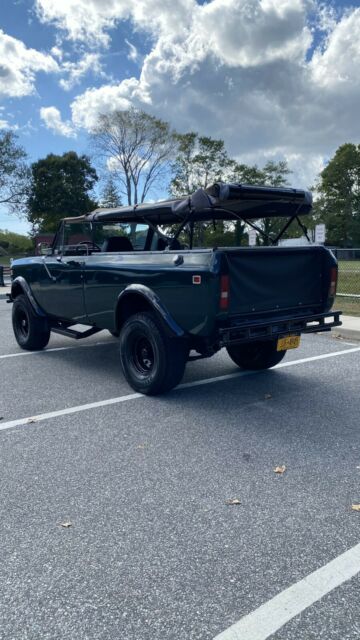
{"type": "Point", "coordinates": [31, 331]}
{"type": "Point", "coordinates": [256, 355]}
{"type": "Point", "coordinates": [152, 362]}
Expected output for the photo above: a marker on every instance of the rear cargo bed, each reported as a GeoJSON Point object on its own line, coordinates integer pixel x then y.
{"type": "Point", "coordinates": [276, 279]}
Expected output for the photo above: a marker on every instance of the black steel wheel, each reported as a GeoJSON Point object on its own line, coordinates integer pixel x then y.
{"type": "Point", "coordinates": [31, 331]}
{"type": "Point", "coordinates": [152, 362]}
{"type": "Point", "coordinates": [256, 355]}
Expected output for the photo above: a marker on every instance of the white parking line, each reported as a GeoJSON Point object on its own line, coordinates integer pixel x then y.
{"type": "Point", "coordinates": [132, 396]}
{"type": "Point", "coordinates": [274, 614]}
{"type": "Point", "coordinates": [38, 353]}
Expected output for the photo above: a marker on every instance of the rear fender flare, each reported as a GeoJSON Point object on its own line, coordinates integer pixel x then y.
{"type": "Point", "coordinates": [138, 297]}
{"type": "Point", "coordinates": [20, 286]}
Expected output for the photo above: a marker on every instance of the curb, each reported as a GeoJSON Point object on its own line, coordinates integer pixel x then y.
{"type": "Point", "coordinates": [347, 334]}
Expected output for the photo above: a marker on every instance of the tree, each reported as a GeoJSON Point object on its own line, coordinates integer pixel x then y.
{"type": "Point", "coordinates": [137, 147]}
{"type": "Point", "coordinates": [110, 196]}
{"type": "Point", "coordinates": [14, 172]}
{"type": "Point", "coordinates": [60, 187]}
{"type": "Point", "coordinates": [14, 243]}
{"type": "Point", "coordinates": [338, 204]}
{"type": "Point", "coordinates": [200, 161]}
{"type": "Point", "coordinates": [273, 174]}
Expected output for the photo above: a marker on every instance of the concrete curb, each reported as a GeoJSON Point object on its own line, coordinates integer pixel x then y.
{"type": "Point", "coordinates": [346, 334]}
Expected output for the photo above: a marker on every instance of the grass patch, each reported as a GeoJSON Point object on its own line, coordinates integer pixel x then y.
{"type": "Point", "coordinates": [349, 306]}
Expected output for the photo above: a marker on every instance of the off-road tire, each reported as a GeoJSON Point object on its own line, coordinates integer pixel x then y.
{"type": "Point", "coordinates": [152, 362]}
{"type": "Point", "coordinates": [31, 331]}
{"type": "Point", "coordinates": [256, 355]}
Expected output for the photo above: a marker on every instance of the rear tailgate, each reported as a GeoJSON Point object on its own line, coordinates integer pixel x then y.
{"type": "Point", "coordinates": [275, 279]}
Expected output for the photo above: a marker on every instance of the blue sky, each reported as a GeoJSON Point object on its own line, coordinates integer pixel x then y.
{"type": "Point", "coordinates": [274, 78]}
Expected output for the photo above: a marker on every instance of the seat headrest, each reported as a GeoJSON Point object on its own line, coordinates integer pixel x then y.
{"type": "Point", "coordinates": [118, 243]}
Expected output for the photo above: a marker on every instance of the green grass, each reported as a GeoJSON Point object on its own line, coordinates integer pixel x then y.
{"type": "Point", "coordinates": [349, 306]}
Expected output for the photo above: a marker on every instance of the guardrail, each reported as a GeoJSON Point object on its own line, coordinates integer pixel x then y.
{"type": "Point", "coordinates": [5, 273]}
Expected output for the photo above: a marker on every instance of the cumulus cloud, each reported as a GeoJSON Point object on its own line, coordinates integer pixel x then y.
{"type": "Point", "coordinates": [51, 117]}
{"type": "Point", "coordinates": [244, 71]}
{"type": "Point", "coordinates": [19, 65]}
{"type": "Point", "coordinates": [75, 71]}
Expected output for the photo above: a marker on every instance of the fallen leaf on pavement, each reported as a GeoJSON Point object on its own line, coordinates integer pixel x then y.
{"type": "Point", "coordinates": [355, 507]}
{"type": "Point", "coordinates": [31, 420]}
{"type": "Point", "coordinates": [233, 501]}
{"type": "Point", "coordinates": [66, 525]}
{"type": "Point", "coordinates": [280, 470]}
{"type": "Point", "coordinates": [141, 446]}
{"type": "Point", "coordinates": [267, 396]}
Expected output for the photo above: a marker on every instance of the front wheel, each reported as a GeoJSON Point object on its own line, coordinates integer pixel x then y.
{"type": "Point", "coordinates": [152, 362]}
{"type": "Point", "coordinates": [31, 331]}
{"type": "Point", "coordinates": [256, 355]}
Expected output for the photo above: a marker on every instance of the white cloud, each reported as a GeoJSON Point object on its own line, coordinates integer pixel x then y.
{"type": "Point", "coordinates": [19, 65]}
{"type": "Point", "coordinates": [83, 20]}
{"type": "Point", "coordinates": [241, 70]}
{"type": "Point", "coordinates": [51, 116]}
{"type": "Point", "coordinates": [86, 107]}
{"type": "Point", "coordinates": [133, 54]}
{"type": "Point", "coordinates": [75, 71]}
{"type": "Point", "coordinates": [337, 66]}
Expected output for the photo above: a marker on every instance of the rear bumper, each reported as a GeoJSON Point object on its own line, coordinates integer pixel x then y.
{"type": "Point", "coordinates": [246, 332]}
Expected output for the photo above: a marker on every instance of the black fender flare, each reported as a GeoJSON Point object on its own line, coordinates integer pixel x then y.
{"type": "Point", "coordinates": [152, 300]}
{"type": "Point", "coordinates": [19, 285]}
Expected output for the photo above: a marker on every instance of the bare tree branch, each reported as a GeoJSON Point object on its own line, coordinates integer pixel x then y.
{"type": "Point", "coordinates": [137, 148]}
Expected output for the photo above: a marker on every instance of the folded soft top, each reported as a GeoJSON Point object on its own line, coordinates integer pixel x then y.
{"type": "Point", "coordinates": [220, 201]}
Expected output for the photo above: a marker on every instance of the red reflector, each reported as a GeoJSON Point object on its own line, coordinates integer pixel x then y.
{"type": "Point", "coordinates": [196, 279]}
{"type": "Point", "coordinates": [333, 282]}
{"type": "Point", "coordinates": [224, 292]}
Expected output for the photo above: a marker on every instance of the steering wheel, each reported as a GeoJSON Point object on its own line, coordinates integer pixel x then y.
{"type": "Point", "coordinates": [95, 247]}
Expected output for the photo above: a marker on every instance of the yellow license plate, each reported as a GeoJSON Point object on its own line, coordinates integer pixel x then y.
{"type": "Point", "coordinates": [290, 342]}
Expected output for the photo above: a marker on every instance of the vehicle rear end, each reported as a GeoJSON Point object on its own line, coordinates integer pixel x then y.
{"type": "Point", "coordinates": [275, 293]}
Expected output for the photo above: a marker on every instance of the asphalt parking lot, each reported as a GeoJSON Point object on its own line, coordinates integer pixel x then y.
{"type": "Point", "coordinates": [153, 551]}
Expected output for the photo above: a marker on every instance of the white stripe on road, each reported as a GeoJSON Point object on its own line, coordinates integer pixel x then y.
{"type": "Point", "coordinates": [132, 396]}
{"type": "Point", "coordinates": [38, 353]}
{"type": "Point", "coordinates": [274, 614]}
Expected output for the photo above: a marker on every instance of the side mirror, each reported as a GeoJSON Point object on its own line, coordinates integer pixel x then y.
{"type": "Point", "coordinates": [43, 249]}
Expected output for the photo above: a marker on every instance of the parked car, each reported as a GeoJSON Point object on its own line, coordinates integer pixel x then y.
{"type": "Point", "coordinates": [127, 270]}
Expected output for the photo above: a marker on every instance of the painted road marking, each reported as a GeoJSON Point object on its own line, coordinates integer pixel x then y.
{"type": "Point", "coordinates": [274, 614]}
{"type": "Point", "coordinates": [132, 396]}
{"type": "Point", "coordinates": [38, 353]}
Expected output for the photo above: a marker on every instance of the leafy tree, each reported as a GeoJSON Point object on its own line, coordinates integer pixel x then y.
{"type": "Point", "coordinates": [60, 187]}
{"type": "Point", "coordinates": [14, 243]}
{"type": "Point", "coordinates": [338, 204]}
{"type": "Point", "coordinates": [273, 174]}
{"type": "Point", "coordinates": [137, 147]}
{"type": "Point", "coordinates": [200, 161]}
{"type": "Point", "coordinates": [14, 172]}
{"type": "Point", "coordinates": [110, 197]}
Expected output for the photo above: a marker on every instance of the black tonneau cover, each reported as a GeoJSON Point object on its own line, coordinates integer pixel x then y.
{"type": "Point", "coordinates": [220, 201]}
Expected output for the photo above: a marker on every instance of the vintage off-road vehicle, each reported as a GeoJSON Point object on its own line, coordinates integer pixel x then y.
{"type": "Point", "coordinates": [126, 270]}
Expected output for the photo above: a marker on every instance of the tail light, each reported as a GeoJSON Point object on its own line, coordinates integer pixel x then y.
{"type": "Point", "coordinates": [333, 282]}
{"type": "Point", "coordinates": [224, 292]}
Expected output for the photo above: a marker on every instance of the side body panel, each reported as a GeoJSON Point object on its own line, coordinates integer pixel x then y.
{"type": "Point", "coordinates": [58, 287]}
{"type": "Point", "coordinates": [193, 306]}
